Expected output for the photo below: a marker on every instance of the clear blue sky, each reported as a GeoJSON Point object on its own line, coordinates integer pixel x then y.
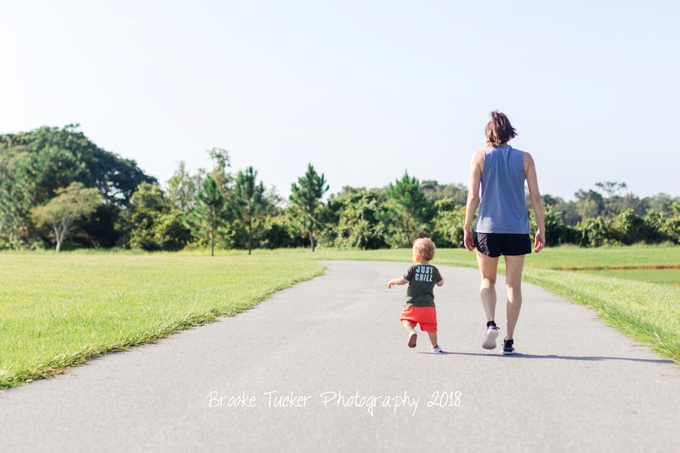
{"type": "Point", "coordinates": [361, 89]}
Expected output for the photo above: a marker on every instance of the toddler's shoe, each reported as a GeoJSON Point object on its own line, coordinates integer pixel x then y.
{"type": "Point", "coordinates": [489, 341]}
{"type": "Point", "coordinates": [412, 338]}
{"type": "Point", "coordinates": [436, 348]}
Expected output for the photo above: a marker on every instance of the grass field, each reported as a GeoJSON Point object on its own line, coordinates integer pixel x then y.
{"type": "Point", "coordinates": [632, 257]}
{"type": "Point", "coordinates": [661, 276]}
{"type": "Point", "coordinates": [60, 310]}
{"type": "Point", "coordinates": [558, 258]}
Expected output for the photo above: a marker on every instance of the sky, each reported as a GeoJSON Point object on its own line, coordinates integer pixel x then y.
{"type": "Point", "coordinates": [363, 90]}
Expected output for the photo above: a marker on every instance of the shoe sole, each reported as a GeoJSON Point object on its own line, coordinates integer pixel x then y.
{"type": "Point", "coordinates": [508, 352]}
{"type": "Point", "coordinates": [489, 341]}
{"type": "Point", "coordinates": [412, 341]}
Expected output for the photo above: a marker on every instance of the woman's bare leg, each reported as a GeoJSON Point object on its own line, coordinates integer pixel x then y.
{"type": "Point", "coordinates": [488, 267]}
{"type": "Point", "coordinates": [514, 265]}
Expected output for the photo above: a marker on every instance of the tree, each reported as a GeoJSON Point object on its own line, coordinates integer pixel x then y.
{"type": "Point", "coordinates": [250, 202]}
{"type": "Point", "coordinates": [62, 211]}
{"type": "Point", "coordinates": [590, 204]}
{"type": "Point", "coordinates": [456, 192]}
{"type": "Point", "coordinates": [152, 223]}
{"type": "Point", "coordinates": [305, 199]}
{"type": "Point", "coordinates": [411, 208]}
{"type": "Point", "coordinates": [209, 214]}
{"type": "Point", "coordinates": [360, 217]}
{"type": "Point", "coordinates": [36, 164]}
{"type": "Point", "coordinates": [611, 188]}
{"type": "Point", "coordinates": [448, 223]}
{"type": "Point", "coordinates": [221, 161]}
{"type": "Point", "coordinates": [182, 188]}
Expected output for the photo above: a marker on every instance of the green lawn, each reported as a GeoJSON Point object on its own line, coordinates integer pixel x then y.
{"type": "Point", "coordinates": [635, 256]}
{"type": "Point", "coordinates": [60, 310]}
{"type": "Point", "coordinates": [661, 276]}
{"type": "Point", "coordinates": [559, 258]}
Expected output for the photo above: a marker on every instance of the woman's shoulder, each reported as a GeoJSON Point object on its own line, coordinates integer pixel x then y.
{"type": "Point", "coordinates": [479, 155]}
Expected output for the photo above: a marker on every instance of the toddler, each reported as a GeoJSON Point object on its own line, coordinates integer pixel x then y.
{"type": "Point", "coordinates": [419, 308]}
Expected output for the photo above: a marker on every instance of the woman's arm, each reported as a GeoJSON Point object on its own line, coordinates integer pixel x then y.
{"type": "Point", "coordinates": [532, 182]}
{"type": "Point", "coordinates": [476, 167]}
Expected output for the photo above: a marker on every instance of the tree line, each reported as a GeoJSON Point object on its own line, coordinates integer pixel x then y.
{"type": "Point", "coordinates": [58, 189]}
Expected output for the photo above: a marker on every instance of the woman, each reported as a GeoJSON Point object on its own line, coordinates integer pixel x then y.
{"type": "Point", "coordinates": [502, 226]}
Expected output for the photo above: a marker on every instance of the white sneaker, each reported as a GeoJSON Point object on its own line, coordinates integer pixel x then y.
{"type": "Point", "coordinates": [489, 341]}
{"type": "Point", "coordinates": [436, 348]}
{"type": "Point", "coordinates": [412, 337]}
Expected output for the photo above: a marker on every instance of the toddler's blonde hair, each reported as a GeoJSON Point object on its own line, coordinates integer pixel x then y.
{"type": "Point", "coordinates": [424, 248]}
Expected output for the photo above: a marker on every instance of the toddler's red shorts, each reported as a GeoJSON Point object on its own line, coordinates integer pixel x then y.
{"type": "Point", "coordinates": [425, 316]}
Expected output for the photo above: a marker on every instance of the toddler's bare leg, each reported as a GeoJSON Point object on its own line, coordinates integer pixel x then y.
{"type": "Point", "coordinates": [408, 326]}
{"type": "Point", "coordinates": [433, 338]}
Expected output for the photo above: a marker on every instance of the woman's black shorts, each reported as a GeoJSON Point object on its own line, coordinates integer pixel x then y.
{"type": "Point", "coordinates": [497, 244]}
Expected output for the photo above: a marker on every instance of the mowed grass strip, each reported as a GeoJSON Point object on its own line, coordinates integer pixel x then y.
{"type": "Point", "coordinates": [57, 311]}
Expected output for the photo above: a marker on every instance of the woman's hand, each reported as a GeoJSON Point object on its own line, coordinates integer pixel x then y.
{"type": "Point", "coordinates": [468, 239]}
{"type": "Point", "coordinates": [539, 240]}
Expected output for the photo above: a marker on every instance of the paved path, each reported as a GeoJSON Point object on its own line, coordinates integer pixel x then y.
{"type": "Point", "coordinates": [576, 385]}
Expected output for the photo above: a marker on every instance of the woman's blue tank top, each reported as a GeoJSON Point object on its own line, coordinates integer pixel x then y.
{"type": "Point", "coordinates": [503, 207]}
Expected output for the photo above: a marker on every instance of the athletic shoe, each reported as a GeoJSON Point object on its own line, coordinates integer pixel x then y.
{"type": "Point", "coordinates": [508, 348]}
{"type": "Point", "coordinates": [412, 337]}
{"type": "Point", "coordinates": [436, 348]}
{"type": "Point", "coordinates": [489, 341]}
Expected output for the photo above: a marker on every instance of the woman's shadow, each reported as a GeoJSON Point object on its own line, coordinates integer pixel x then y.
{"type": "Point", "coordinates": [553, 356]}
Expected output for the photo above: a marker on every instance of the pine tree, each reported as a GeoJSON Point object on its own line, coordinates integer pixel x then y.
{"type": "Point", "coordinates": [305, 199]}
{"type": "Point", "coordinates": [250, 202]}
{"type": "Point", "coordinates": [412, 208]}
{"type": "Point", "coordinates": [209, 214]}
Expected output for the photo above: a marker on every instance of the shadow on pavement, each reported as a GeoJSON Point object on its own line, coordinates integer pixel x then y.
{"type": "Point", "coordinates": [553, 356]}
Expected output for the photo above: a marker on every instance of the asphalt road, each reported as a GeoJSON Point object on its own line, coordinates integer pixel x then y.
{"type": "Point", "coordinates": [324, 366]}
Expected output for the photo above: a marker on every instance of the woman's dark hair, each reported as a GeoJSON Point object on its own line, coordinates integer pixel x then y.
{"type": "Point", "coordinates": [499, 130]}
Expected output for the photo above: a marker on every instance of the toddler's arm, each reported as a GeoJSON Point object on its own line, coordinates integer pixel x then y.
{"type": "Point", "coordinates": [441, 283]}
{"type": "Point", "coordinates": [396, 281]}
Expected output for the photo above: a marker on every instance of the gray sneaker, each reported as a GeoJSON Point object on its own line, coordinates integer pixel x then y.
{"type": "Point", "coordinates": [436, 348]}
{"type": "Point", "coordinates": [489, 341]}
